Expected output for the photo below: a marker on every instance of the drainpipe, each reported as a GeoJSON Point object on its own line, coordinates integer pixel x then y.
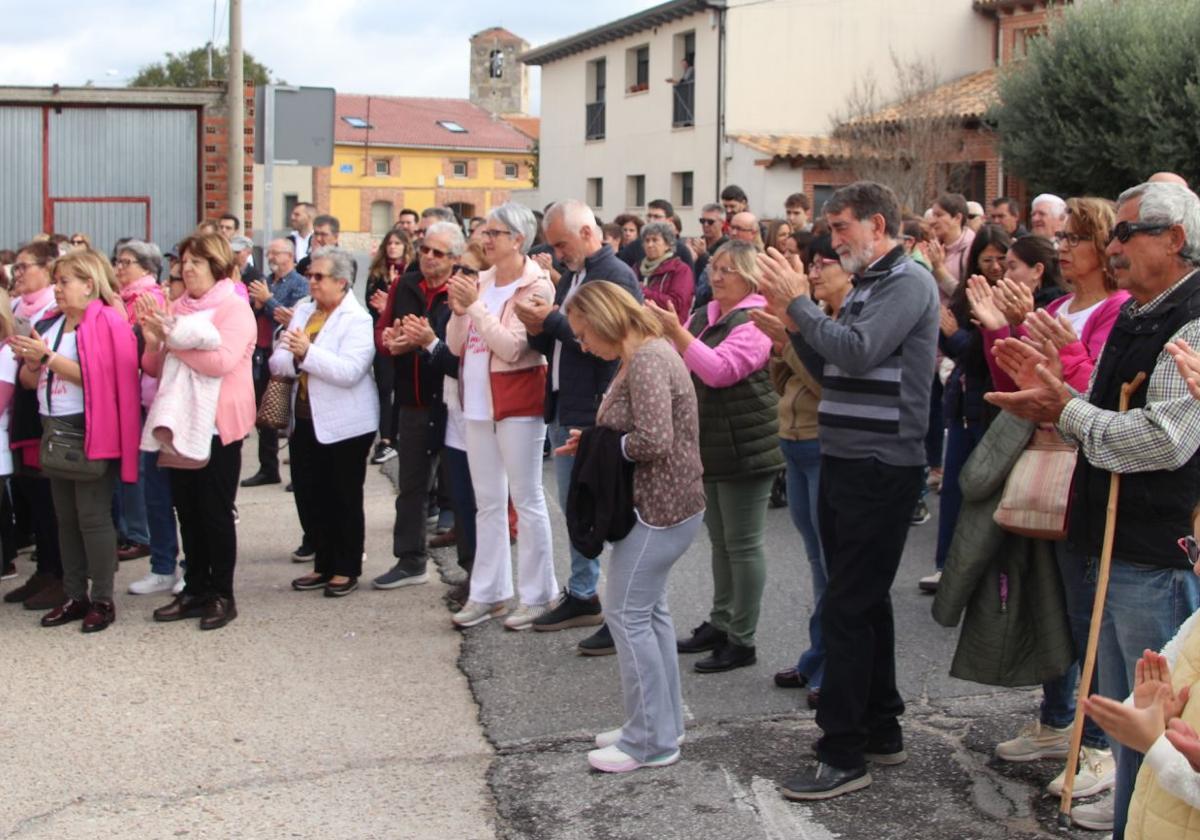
{"type": "Point", "coordinates": [720, 10]}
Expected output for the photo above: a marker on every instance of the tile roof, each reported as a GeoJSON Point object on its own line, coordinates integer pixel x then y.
{"type": "Point", "coordinates": [632, 24]}
{"type": "Point", "coordinates": [413, 121]}
{"type": "Point", "coordinates": [969, 97]}
{"type": "Point", "coordinates": [500, 34]}
{"type": "Point", "coordinates": [989, 7]}
{"type": "Point", "coordinates": [794, 146]}
{"type": "Point", "coordinates": [529, 126]}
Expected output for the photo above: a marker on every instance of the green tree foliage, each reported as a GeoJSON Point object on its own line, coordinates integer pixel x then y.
{"type": "Point", "coordinates": [1108, 97]}
{"type": "Point", "coordinates": [190, 70]}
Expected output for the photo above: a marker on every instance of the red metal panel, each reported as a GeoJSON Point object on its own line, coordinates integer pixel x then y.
{"type": "Point", "coordinates": [101, 199]}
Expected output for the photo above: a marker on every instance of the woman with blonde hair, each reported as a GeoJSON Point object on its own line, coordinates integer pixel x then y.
{"type": "Point", "coordinates": [90, 348]}
{"type": "Point", "coordinates": [651, 404]}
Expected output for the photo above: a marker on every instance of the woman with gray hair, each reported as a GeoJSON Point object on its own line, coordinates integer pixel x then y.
{"type": "Point", "coordinates": [328, 348]}
{"type": "Point", "coordinates": [666, 279]}
{"type": "Point", "coordinates": [502, 381]}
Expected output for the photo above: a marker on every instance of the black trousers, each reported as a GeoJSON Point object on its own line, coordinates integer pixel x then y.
{"type": "Point", "coordinates": [864, 507]}
{"type": "Point", "coordinates": [413, 483]}
{"type": "Point", "coordinates": [204, 501]}
{"type": "Point", "coordinates": [36, 494]}
{"type": "Point", "coordinates": [268, 439]}
{"type": "Point", "coordinates": [8, 524]}
{"type": "Point", "coordinates": [385, 378]}
{"type": "Point", "coordinates": [328, 480]}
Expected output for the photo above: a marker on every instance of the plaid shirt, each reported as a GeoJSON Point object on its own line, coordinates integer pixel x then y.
{"type": "Point", "coordinates": [1161, 436]}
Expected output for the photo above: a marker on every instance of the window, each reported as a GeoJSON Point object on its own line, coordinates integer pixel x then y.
{"type": "Point", "coordinates": [290, 200]}
{"type": "Point", "coordinates": [637, 69]}
{"type": "Point", "coordinates": [381, 217]}
{"type": "Point", "coordinates": [594, 107]}
{"type": "Point", "coordinates": [681, 189]}
{"type": "Point", "coordinates": [383, 167]}
{"type": "Point", "coordinates": [596, 82]}
{"type": "Point", "coordinates": [511, 171]}
{"type": "Point", "coordinates": [458, 168]}
{"type": "Point", "coordinates": [595, 192]}
{"type": "Point", "coordinates": [635, 191]}
{"type": "Point", "coordinates": [683, 92]}
{"type": "Point", "coordinates": [821, 194]}
{"type": "Point", "coordinates": [451, 125]}
{"type": "Point", "coordinates": [1022, 38]}
{"type": "Point", "coordinates": [356, 122]}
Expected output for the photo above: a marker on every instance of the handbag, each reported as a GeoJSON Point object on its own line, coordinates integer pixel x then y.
{"type": "Point", "coordinates": [62, 453]}
{"type": "Point", "coordinates": [275, 408]}
{"type": "Point", "coordinates": [1037, 492]}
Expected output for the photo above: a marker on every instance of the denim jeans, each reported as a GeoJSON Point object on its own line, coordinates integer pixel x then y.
{"type": "Point", "coordinates": [160, 515]}
{"type": "Point", "coordinates": [129, 503]}
{"type": "Point", "coordinates": [585, 572]}
{"type": "Point", "coordinates": [1144, 609]}
{"type": "Point", "coordinates": [960, 443]}
{"type": "Point", "coordinates": [803, 473]}
{"type": "Point", "coordinates": [1058, 695]}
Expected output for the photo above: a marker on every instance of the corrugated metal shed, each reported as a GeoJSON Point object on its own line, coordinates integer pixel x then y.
{"type": "Point", "coordinates": [20, 174]}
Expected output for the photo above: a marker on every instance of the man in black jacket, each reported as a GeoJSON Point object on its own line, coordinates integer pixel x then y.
{"type": "Point", "coordinates": [575, 386]}
{"type": "Point", "coordinates": [412, 329]}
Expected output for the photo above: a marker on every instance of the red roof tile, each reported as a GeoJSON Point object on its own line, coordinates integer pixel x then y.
{"type": "Point", "coordinates": [529, 126]}
{"type": "Point", "coordinates": [413, 121]}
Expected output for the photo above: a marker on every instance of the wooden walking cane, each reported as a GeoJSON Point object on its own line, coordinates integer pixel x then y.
{"type": "Point", "coordinates": [1089, 659]}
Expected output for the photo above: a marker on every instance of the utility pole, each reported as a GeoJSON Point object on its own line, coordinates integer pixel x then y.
{"type": "Point", "coordinates": [235, 97]}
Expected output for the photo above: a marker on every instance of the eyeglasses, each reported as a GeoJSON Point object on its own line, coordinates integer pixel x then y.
{"type": "Point", "coordinates": [821, 262]}
{"type": "Point", "coordinates": [1124, 231]}
{"type": "Point", "coordinates": [491, 233]}
{"type": "Point", "coordinates": [78, 242]}
{"type": "Point", "coordinates": [19, 267]}
{"type": "Point", "coordinates": [1071, 240]}
{"type": "Point", "coordinates": [710, 221]}
{"type": "Point", "coordinates": [124, 262]}
{"type": "Point", "coordinates": [426, 251]}
{"type": "Point", "coordinates": [656, 217]}
{"type": "Point", "coordinates": [725, 270]}
{"type": "Point", "coordinates": [741, 229]}
{"type": "Point", "coordinates": [317, 276]}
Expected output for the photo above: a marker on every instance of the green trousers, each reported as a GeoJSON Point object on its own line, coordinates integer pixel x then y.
{"type": "Point", "coordinates": [736, 519]}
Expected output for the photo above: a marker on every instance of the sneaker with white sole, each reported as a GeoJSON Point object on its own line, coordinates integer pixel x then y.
{"type": "Point", "coordinates": [524, 616]}
{"type": "Point", "coordinates": [1035, 741]}
{"type": "Point", "coordinates": [152, 583]}
{"type": "Point", "coordinates": [476, 613]}
{"type": "Point", "coordinates": [1097, 772]}
{"type": "Point", "coordinates": [612, 736]}
{"type": "Point", "coordinates": [1094, 816]}
{"type": "Point", "coordinates": [178, 587]}
{"type": "Point", "coordinates": [613, 760]}
{"type": "Point", "coordinates": [930, 583]}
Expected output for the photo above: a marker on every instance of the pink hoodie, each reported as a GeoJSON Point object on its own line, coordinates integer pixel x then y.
{"type": "Point", "coordinates": [112, 412]}
{"type": "Point", "coordinates": [745, 350]}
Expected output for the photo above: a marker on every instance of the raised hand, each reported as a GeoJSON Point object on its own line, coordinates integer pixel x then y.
{"type": "Point", "coordinates": [983, 304]}
{"type": "Point", "coordinates": [1041, 401]}
{"type": "Point", "coordinates": [1185, 739]}
{"type": "Point", "coordinates": [378, 301]}
{"type": "Point", "coordinates": [772, 327]}
{"type": "Point", "coordinates": [417, 331]}
{"type": "Point", "coordinates": [1152, 674]}
{"type": "Point", "coordinates": [1014, 299]}
{"type": "Point", "coordinates": [783, 280]}
{"type": "Point", "coordinates": [1187, 361]}
{"type": "Point", "coordinates": [1021, 359]}
{"type": "Point", "coordinates": [1133, 727]}
{"type": "Point", "coordinates": [947, 322]}
{"type": "Point", "coordinates": [1044, 327]}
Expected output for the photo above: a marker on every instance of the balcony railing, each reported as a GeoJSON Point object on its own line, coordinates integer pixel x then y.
{"type": "Point", "coordinates": [683, 113]}
{"type": "Point", "coordinates": [595, 121]}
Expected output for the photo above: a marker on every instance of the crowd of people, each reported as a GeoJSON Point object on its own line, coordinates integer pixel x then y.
{"type": "Point", "coordinates": [847, 365]}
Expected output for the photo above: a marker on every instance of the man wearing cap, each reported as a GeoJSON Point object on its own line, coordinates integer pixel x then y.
{"type": "Point", "coordinates": [975, 215]}
{"type": "Point", "coordinates": [243, 254]}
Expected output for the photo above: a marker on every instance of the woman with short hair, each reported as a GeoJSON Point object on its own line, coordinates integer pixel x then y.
{"type": "Point", "coordinates": [204, 497]}
{"type": "Point", "coordinates": [328, 349]}
{"type": "Point", "coordinates": [631, 227]}
{"type": "Point", "coordinates": [666, 279]}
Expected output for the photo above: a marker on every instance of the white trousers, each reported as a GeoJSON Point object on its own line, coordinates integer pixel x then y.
{"type": "Point", "coordinates": [506, 457]}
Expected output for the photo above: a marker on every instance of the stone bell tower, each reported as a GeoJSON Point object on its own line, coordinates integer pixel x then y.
{"type": "Point", "coordinates": [499, 83]}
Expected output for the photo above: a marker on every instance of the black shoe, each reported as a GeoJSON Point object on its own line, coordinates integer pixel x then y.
{"type": "Point", "coordinates": [886, 751]}
{"type": "Point", "coordinates": [599, 643]}
{"type": "Point", "coordinates": [825, 782]}
{"type": "Point", "coordinates": [790, 678]}
{"type": "Point", "coordinates": [337, 590]}
{"type": "Point", "coordinates": [307, 583]}
{"type": "Point", "coordinates": [705, 637]}
{"type": "Point", "coordinates": [304, 554]}
{"type": "Point", "coordinates": [570, 612]}
{"type": "Point", "coordinates": [259, 479]}
{"type": "Point", "coordinates": [921, 514]}
{"type": "Point", "coordinates": [727, 657]}
{"type": "Point", "coordinates": [289, 488]}
{"type": "Point", "coordinates": [219, 612]}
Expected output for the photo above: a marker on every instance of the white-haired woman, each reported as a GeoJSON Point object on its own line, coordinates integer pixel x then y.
{"type": "Point", "coordinates": [329, 348]}
{"type": "Point", "coordinates": [502, 382]}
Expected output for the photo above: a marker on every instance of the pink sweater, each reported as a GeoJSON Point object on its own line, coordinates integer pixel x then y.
{"type": "Point", "coordinates": [745, 350]}
{"type": "Point", "coordinates": [234, 320]}
{"type": "Point", "coordinates": [112, 412]}
{"type": "Point", "coordinates": [1078, 357]}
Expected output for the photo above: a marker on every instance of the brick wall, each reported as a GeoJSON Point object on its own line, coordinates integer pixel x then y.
{"type": "Point", "coordinates": [214, 186]}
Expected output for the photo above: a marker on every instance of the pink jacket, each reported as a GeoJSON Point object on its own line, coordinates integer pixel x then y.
{"type": "Point", "coordinates": [745, 350]}
{"type": "Point", "coordinates": [236, 410]}
{"type": "Point", "coordinates": [112, 411]}
{"type": "Point", "coordinates": [1078, 357]}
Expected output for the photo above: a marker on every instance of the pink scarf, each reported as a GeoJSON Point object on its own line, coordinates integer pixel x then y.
{"type": "Point", "coordinates": [30, 304]}
{"type": "Point", "coordinates": [214, 297]}
{"type": "Point", "coordinates": [141, 286]}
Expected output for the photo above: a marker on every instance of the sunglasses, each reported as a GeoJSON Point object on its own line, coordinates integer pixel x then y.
{"type": "Point", "coordinates": [317, 276]}
{"type": "Point", "coordinates": [1190, 548]}
{"type": "Point", "coordinates": [426, 251]}
{"type": "Point", "coordinates": [1124, 231]}
{"type": "Point", "coordinates": [710, 221]}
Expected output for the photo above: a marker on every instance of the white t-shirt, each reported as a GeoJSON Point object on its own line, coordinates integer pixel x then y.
{"type": "Point", "coordinates": [9, 368]}
{"type": "Point", "coordinates": [66, 397]}
{"type": "Point", "coordinates": [476, 368]}
{"type": "Point", "coordinates": [1078, 319]}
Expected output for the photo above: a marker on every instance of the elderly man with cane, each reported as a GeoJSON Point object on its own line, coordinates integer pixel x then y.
{"type": "Point", "coordinates": [1151, 590]}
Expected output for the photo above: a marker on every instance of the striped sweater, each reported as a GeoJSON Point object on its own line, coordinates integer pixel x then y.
{"type": "Point", "coordinates": [875, 363]}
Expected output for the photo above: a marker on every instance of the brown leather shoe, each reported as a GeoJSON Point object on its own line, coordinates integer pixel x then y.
{"type": "Point", "coordinates": [29, 588]}
{"type": "Point", "coordinates": [67, 611]}
{"type": "Point", "coordinates": [181, 607]}
{"type": "Point", "coordinates": [47, 598]}
{"type": "Point", "coordinates": [102, 614]}
{"type": "Point", "coordinates": [132, 551]}
{"type": "Point", "coordinates": [219, 612]}
{"type": "Point", "coordinates": [813, 699]}
{"type": "Point", "coordinates": [444, 540]}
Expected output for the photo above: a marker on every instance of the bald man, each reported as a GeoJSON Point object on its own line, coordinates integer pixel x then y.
{"type": "Point", "coordinates": [1167, 178]}
{"type": "Point", "coordinates": [744, 226]}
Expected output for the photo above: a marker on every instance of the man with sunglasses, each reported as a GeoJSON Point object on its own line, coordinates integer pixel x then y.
{"type": "Point", "coordinates": [1153, 253]}
{"type": "Point", "coordinates": [712, 237]}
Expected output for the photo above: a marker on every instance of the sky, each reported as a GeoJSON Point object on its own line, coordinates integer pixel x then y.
{"type": "Point", "coordinates": [399, 48]}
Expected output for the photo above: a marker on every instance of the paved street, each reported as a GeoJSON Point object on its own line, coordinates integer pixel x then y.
{"type": "Point", "coordinates": [314, 718]}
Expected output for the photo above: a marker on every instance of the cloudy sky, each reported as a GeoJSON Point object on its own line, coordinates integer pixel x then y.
{"type": "Point", "coordinates": [399, 47]}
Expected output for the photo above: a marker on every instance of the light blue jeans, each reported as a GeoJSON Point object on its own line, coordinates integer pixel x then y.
{"type": "Point", "coordinates": [803, 459]}
{"type": "Point", "coordinates": [160, 515]}
{"type": "Point", "coordinates": [1144, 609]}
{"type": "Point", "coordinates": [585, 571]}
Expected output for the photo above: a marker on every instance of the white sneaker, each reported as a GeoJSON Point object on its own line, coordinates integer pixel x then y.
{"type": "Point", "coordinates": [1097, 773]}
{"type": "Point", "coordinates": [612, 736]}
{"type": "Point", "coordinates": [1094, 816]}
{"type": "Point", "coordinates": [612, 760]}
{"type": "Point", "coordinates": [930, 583]}
{"type": "Point", "coordinates": [1036, 741]}
{"type": "Point", "coordinates": [523, 617]}
{"type": "Point", "coordinates": [152, 583]}
{"type": "Point", "coordinates": [475, 612]}
{"type": "Point", "coordinates": [178, 587]}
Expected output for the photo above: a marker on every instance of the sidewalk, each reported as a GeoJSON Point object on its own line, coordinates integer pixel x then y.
{"type": "Point", "coordinates": [306, 717]}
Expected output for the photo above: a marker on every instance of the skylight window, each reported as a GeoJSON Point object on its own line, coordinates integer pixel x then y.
{"type": "Point", "coordinates": [356, 122]}
{"type": "Point", "coordinates": [451, 125]}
